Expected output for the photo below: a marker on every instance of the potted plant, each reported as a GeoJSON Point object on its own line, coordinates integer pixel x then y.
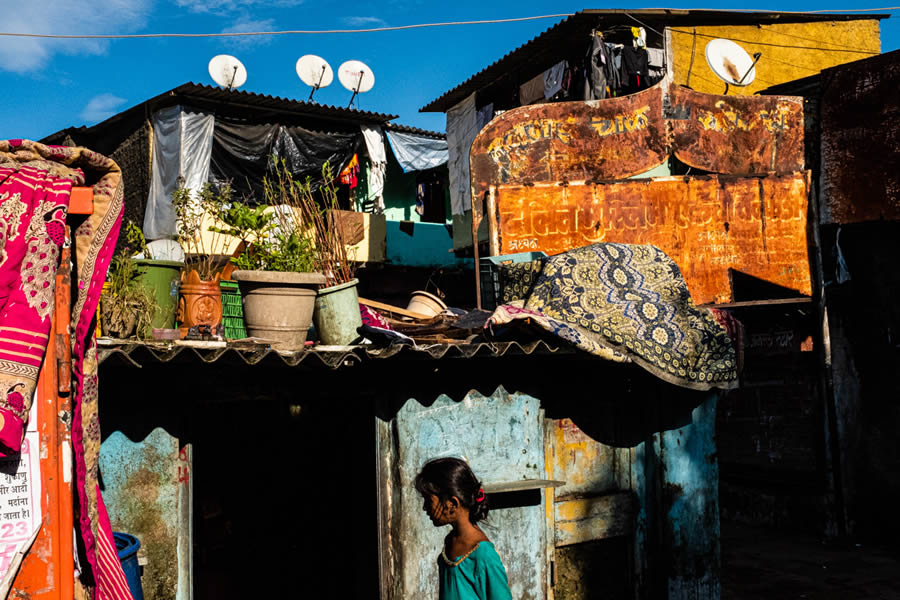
{"type": "Point", "coordinates": [126, 305]}
{"type": "Point", "coordinates": [159, 278]}
{"type": "Point", "coordinates": [200, 302]}
{"type": "Point", "coordinates": [275, 264]}
{"type": "Point", "coordinates": [336, 315]}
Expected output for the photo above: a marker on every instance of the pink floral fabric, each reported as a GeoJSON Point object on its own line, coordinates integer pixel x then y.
{"type": "Point", "coordinates": [33, 207]}
{"type": "Point", "coordinates": [93, 244]}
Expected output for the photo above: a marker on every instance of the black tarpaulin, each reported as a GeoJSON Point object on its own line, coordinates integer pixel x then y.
{"type": "Point", "coordinates": [244, 153]}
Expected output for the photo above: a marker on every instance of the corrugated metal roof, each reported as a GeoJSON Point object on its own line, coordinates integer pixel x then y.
{"type": "Point", "coordinates": [205, 96]}
{"type": "Point", "coordinates": [569, 35]}
{"type": "Point", "coordinates": [194, 90]}
{"type": "Point", "coordinates": [333, 357]}
{"type": "Point", "coordinates": [415, 130]}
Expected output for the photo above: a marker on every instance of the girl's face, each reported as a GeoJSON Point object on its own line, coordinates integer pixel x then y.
{"type": "Point", "coordinates": [437, 511]}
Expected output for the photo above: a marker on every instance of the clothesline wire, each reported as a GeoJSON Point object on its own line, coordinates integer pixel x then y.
{"type": "Point", "coordinates": [286, 32]}
{"type": "Point", "coordinates": [414, 26]}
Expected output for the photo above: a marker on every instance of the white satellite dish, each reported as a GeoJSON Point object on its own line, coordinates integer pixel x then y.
{"type": "Point", "coordinates": [227, 71]}
{"type": "Point", "coordinates": [315, 72]}
{"type": "Point", "coordinates": [731, 63]}
{"type": "Point", "coordinates": [357, 77]}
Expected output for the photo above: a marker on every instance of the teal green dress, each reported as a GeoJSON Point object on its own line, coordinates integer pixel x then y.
{"type": "Point", "coordinates": [480, 576]}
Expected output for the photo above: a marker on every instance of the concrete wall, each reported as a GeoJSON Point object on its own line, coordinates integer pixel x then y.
{"type": "Point", "coordinates": [789, 51]}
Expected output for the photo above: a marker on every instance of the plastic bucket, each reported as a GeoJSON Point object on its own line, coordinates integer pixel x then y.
{"type": "Point", "coordinates": [127, 547]}
{"type": "Point", "coordinates": [337, 314]}
{"type": "Point", "coordinates": [160, 278]}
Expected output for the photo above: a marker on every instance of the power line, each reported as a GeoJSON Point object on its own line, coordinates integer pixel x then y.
{"type": "Point", "coordinates": [288, 32]}
{"type": "Point", "coordinates": [793, 12]}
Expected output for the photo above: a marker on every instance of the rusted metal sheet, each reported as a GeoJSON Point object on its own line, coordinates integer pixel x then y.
{"type": "Point", "coordinates": [740, 135]}
{"type": "Point", "coordinates": [571, 141]}
{"type": "Point", "coordinates": [860, 140]}
{"type": "Point", "coordinates": [619, 137]}
{"type": "Point", "coordinates": [708, 225]}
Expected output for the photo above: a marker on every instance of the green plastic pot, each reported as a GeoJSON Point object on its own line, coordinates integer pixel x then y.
{"type": "Point", "coordinates": [161, 278]}
{"type": "Point", "coordinates": [336, 316]}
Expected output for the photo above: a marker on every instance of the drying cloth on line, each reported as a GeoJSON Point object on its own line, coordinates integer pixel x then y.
{"type": "Point", "coordinates": [532, 90]}
{"type": "Point", "coordinates": [462, 128]}
{"type": "Point", "coordinates": [625, 303]}
{"type": "Point", "coordinates": [553, 79]}
{"type": "Point", "coordinates": [93, 241]}
{"type": "Point", "coordinates": [417, 152]}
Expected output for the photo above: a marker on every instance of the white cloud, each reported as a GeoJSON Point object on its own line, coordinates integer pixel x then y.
{"type": "Point", "coordinates": [22, 55]}
{"type": "Point", "coordinates": [221, 7]}
{"type": "Point", "coordinates": [364, 21]}
{"type": "Point", "coordinates": [244, 25]}
{"type": "Point", "coordinates": [101, 107]}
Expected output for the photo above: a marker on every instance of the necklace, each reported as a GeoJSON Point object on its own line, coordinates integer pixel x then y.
{"type": "Point", "coordinates": [451, 563]}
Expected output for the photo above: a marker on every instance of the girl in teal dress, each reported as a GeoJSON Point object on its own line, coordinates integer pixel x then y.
{"type": "Point", "coordinates": [469, 567]}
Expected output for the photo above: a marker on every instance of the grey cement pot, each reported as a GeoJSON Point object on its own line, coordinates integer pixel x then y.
{"type": "Point", "coordinates": [279, 306]}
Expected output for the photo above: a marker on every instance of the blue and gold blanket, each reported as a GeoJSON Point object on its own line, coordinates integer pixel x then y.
{"type": "Point", "coordinates": [625, 303]}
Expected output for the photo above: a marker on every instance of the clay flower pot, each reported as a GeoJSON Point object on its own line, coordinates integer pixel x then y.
{"type": "Point", "coordinates": [200, 303]}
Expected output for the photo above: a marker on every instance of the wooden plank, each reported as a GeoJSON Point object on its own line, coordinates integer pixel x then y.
{"type": "Point", "coordinates": [395, 309]}
{"type": "Point", "coordinates": [520, 486]}
{"type": "Point", "coordinates": [752, 303]}
{"type": "Point", "coordinates": [595, 518]}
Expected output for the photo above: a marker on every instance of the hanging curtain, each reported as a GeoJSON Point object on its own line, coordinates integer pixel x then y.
{"type": "Point", "coordinates": [182, 146]}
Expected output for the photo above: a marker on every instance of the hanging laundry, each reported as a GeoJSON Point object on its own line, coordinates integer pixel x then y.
{"type": "Point", "coordinates": [553, 79]}
{"type": "Point", "coordinates": [350, 173]}
{"type": "Point", "coordinates": [656, 58]}
{"type": "Point", "coordinates": [484, 115]}
{"type": "Point", "coordinates": [595, 72]}
{"type": "Point", "coordinates": [420, 198]}
{"type": "Point", "coordinates": [635, 69]}
{"type": "Point", "coordinates": [532, 90]}
{"type": "Point", "coordinates": [612, 66]}
{"type": "Point", "coordinates": [640, 37]}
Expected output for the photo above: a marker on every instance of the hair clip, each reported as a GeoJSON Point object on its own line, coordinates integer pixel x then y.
{"type": "Point", "coordinates": [480, 498]}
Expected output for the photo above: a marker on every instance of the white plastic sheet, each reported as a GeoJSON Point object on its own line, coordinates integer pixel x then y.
{"type": "Point", "coordinates": [182, 145]}
{"type": "Point", "coordinates": [462, 127]}
{"type": "Point", "coordinates": [378, 163]}
{"type": "Point", "coordinates": [417, 152]}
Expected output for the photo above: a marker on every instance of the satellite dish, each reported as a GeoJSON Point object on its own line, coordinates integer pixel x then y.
{"type": "Point", "coordinates": [315, 72]}
{"type": "Point", "coordinates": [227, 71]}
{"type": "Point", "coordinates": [357, 77]}
{"type": "Point", "coordinates": [731, 63]}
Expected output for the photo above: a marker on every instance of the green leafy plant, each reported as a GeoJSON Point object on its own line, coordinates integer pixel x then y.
{"type": "Point", "coordinates": [193, 209]}
{"type": "Point", "coordinates": [127, 306]}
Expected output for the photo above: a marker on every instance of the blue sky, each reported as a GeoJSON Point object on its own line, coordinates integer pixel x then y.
{"type": "Point", "coordinates": [51, 84]}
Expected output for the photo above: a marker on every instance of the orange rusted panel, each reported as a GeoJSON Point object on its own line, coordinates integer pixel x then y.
{"type": "Point", "coordinates": [708, 225]}
{"type": "Point", "coordinates": [741, 135]}
{"type": "Point", "coordinates": [571, 141]}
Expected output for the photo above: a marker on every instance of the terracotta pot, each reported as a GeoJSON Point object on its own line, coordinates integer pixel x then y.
{"type": "Point", "coordinates": [200, 303]}
{"type": "Point", "coordinates": [279, 306]}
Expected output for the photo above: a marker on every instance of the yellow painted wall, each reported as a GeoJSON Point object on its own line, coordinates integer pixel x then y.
{"type": "Point", "coordinates": [789, 51]}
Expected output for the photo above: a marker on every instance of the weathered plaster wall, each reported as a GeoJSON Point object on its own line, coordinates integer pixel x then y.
{"type": "Point", "coordinates": [789, 51]}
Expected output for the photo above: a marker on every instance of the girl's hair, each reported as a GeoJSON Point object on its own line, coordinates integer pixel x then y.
{"type": "Point", "coordinates": [448, 477]}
